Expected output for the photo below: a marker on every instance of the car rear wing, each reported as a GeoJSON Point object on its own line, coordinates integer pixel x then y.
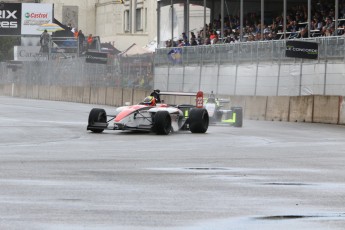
{"type": "Point", "coordinates": [199, 96]}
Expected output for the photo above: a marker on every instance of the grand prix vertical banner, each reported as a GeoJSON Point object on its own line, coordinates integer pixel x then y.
{"type": "Point", "coordinates": [24, 18]}
{"type": "Point", "coordinates": [10, 15]}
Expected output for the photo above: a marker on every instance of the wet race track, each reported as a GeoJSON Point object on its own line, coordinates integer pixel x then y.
{"type": "Point", "coordinates": [266, 175]}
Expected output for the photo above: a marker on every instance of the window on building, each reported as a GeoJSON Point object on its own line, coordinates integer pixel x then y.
{"type": "Point", "coordinates": [138, 19]}
{"type": "Point", "coordinates": [127, 21]}
{"type": "Point", "coordinates": [145, 19]}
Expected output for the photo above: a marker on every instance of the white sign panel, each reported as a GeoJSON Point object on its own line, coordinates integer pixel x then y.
{"type": "Point", "coordinates": [28, 53]}
{"type": "Point", "coordinates": [34, 15]}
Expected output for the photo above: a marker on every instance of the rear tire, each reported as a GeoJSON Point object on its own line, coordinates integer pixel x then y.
{"type": "Point", "coordinates": [97, 115]}
{"type": "Point", "coordinates": [239, 116]}
{"type": "Point", "coordinates": [198, 120]}
{"type": "Point", "coordinates": [162, 123]}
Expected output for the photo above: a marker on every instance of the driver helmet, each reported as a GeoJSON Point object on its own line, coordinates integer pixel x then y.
{"type": "Point", "coordinates": [150, 100]}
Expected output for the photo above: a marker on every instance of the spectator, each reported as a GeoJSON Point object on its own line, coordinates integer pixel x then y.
{"type": "Point", "coordinates": [193, 42]}
{"type": "Point", "coordinates": [207, 41]}
{"type": "Point", "coordinates": [81, 39]}
{"type": "Point", "coordinates": [216, 40]}
{"type": "Point", "coordinates": [89, 41]}
{"type": "Point", "coordinates": [186, 42]}
{"type": "Point", "coordinates": [69, 27]}
{"type": "Point", "coordinates": [184, 36]}
{"type": "Point", "coordinates": [75, 33]}
{"type": "Point", "coordinates": [213, 35]}
{"type": "Point", "coordinates": [329, 24]}
{"type": "Point", "coordinates": [44, 41]}
{"type": "Point", "coordinates": [180, 43]}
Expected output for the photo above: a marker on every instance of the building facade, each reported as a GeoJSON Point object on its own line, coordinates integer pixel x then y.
{"type": "Point", "coordinates": [120, 22]}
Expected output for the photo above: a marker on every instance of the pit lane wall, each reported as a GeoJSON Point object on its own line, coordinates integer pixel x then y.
{"type": "Point", "coordinates": [312, 108]}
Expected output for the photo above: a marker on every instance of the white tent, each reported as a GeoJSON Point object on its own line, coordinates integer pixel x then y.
{"type": "Point", "coordinates": [135, 50]}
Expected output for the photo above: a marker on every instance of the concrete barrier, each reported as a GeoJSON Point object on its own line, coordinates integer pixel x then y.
{"type": "Point", "coordinates": [109, 96]}
{"type": "Point", "coordinates": [32, 91]}
{"type": "Point", "coordinates": [179, 100]}
{"type": "Point", "coordinates": [139, 95]}
{"type": "Point", "coordinates": [67, 93]}
{"type": "Point", "coordinates": [301, 109]}
{"type": "Point", "coordinates": [277, 108]}
{"type": "Point", "coordinates": [87, 95]}
{"type": "Point", "coordinates": [52, 93]}
{"type": "Point", "coordinates": [118, 97]}
{"type": "Point", "coordinates": [101, 95]}
{"type": "Point", "coordinates": [238, 101]}
{"type": "Point", "coordinates": [19, 90]}
{"type": "Point", "coordinates": [59, 93]}
{"type": "Point", "coordinates": [43, 92]}
{"type": "Point", "coordinates": [317, 108]}
{"type": "Point", "coordinates": [255, 108]}
{"type": "Point", "coordinates": [326, 109]}
{"type": "Point", "coordinates": [78, 94]}
{"type": "Point", "coordinates": [127, 96]}
{"type": "Point", "coordinates": [341, 111]}
{"type": "Point", "coordinates": [93, 95]}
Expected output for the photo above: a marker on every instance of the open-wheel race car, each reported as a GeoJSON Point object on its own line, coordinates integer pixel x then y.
{"type": "Point", "coordinates": [153, 116]}
{"type": "Point", "coordinates": [218, 115]}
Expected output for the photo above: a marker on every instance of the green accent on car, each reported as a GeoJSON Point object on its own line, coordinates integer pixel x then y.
{"type": "Point", "coordinates": [233, 120]}
{"type": "Point", "coordinates": [186, 113]}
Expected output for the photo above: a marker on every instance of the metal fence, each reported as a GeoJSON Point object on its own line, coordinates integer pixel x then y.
{"type": "Point", "coordinates": [77, 72]}
{"type": "Point", "coordinates": [250, 68]}
{"type": "Point", "coordinates": [258, 51]}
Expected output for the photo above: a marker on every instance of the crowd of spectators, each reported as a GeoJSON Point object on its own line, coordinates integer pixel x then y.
{"type": "Point", "coordinates": [322, 24]}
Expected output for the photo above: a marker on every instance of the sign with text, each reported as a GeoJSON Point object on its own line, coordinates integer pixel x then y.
{"type": "Point", "coordinates": [301, 49]}
{"type": "Point", "coordinates": [10, 15]}
{"type": "Point", "coordinates": [24, 18]}
{"type": "Point", "coordinates": [34, 15]}
{"type": "Point", "coordinates": [97, 57]}
{"type": "Point", "coordinates": [28, 53]}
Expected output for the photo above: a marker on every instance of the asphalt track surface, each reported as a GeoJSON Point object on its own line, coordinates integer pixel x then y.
{"type": "Point", "coordinates": [266, 175]}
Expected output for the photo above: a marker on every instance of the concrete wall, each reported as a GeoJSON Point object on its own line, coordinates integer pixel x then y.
{"type": "Point", "coordinates": [313, 108]}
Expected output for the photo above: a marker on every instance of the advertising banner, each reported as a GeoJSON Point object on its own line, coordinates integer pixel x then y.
{"type": "Point", "coordinates": [96, 57]}
{"type": "Point", "coordinates": [301, 49]}
{"type": "Point", "coordinates": [10, 14]}
{"type": "Point", "coordinates": [35, 15]}
{"type": "Point", "coordinates": [28, 53]}
{"type": "Point", "coordinates": [24, 18]}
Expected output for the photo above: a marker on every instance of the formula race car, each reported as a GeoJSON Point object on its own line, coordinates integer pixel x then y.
{"type": "Point", "coordinates": [232, 117]}
{"type": "Point", "coordinates": [153, 116]}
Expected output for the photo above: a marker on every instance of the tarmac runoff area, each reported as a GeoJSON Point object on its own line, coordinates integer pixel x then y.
{"type": "Point", "coordinates": [266, 175]}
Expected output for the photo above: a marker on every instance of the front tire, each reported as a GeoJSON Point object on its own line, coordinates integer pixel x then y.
{"type": "Point", "coordinates": [198, 120]}
{"type": "Point", "coordinates": [97, 116]}
{"type": "Point", "coordinates": [162, 123]}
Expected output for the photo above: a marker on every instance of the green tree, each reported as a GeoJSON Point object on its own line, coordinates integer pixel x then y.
{"type": "Point", "coordinates": [6, 47]}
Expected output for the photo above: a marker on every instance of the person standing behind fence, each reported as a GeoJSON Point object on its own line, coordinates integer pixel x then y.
{"type": "Point", "coordinates": [89, 41]}
{"type": "Point", "coordinates": [44, 41]}
{"type": "Point", "coordinates": [81, 39]}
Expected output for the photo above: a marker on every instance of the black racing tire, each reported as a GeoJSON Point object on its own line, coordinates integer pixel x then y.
{"type": "Point", "coordinates": [162, 123]}
{"type": "Point", "coordinates": [97, 115]}
{"type": "Point", "coordinates": [198, 120]}
{"type": "Point", "coordinates": [239, 116]}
